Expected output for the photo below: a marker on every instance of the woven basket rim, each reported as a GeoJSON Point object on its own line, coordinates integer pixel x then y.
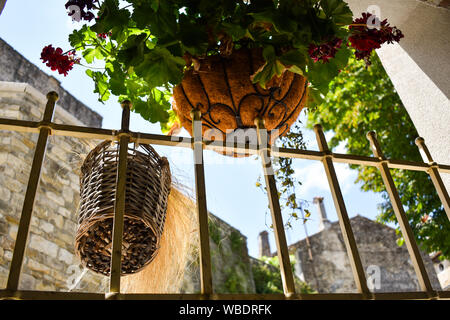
{"type": "Point", "coordinates": [163, 160]}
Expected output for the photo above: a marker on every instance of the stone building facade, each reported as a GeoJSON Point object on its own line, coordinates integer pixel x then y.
{"type": "Point", "coordinates": [324, 263]}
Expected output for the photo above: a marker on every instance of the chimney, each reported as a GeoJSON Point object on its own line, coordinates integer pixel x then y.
{"type": "Point", "coordinates": [264, 245]}
{"type": "Point", "coordinates": [324, 223]}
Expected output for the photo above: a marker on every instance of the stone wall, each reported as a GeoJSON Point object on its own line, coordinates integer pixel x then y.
{"type": "Point", "coordinates": [50, 263]}
{"type": "Point", "coordinates": [387, 265]}
{"type": "Point", "coordinates": [231, 266]}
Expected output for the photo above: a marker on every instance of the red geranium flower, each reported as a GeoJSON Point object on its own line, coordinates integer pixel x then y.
{"type": "Point", "coordinates": [324, 51]}
{"type": "Point", "coordinates": [57, 60]}
{"type": "Point", "coordinates": [364, 39]}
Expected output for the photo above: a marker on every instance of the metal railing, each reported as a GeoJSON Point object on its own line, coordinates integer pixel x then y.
{"type": "Point", "coordinates": [46, 127]}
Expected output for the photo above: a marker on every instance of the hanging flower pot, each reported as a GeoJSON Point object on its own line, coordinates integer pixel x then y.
{"type": "Point", "coordinates": [147, 190]}
{"type": "Point", "coordinates": [232, 60]}
{"type": "Point", "coordinates": [223, 91]}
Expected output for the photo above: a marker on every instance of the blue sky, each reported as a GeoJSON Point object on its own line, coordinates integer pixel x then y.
{"type": "Point", "coordinates": [29, 25]}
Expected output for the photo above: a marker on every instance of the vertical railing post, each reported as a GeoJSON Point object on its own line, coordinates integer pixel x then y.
{"type": "Point", "coordinates": [274, 204]}
{"type": "Point", "coordinates": [413, 249]}
{"type": "Point", "coordinates": [119, 203]}
{"type": "Point", "coordinates": [202, 211]}
{"type": "Point", "coordinates": [434, 175]}
{"type": "Point", "coordinates": [30, 194]}
{"type": "Point", "coordinates": [344, 221]}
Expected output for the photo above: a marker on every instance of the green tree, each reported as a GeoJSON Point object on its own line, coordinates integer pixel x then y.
{"type": "Point", "coordinates": [267, 276]}
{"type": "Point", "coordinates": [363, 99]}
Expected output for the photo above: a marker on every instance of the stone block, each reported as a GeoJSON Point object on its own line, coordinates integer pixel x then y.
{"type": "Point", "coordinates": [56, 198]}
{"type": "Point", "coordinates": [65, 256]}
{"type": "Point", "coordinates": [5, 194]}
{"type": "Point", "coordinates": [46, 227]}
{"type": "Point", "coordinates": [27, 282]}
{"type": "Point", "coordinates": [38, 267]}
{"type": "Point", "coordinates": [58, 221]}
{"type": "Point", "coordinates": [13, 231]}
{"type": "Point", "coordinates": [43, 245]}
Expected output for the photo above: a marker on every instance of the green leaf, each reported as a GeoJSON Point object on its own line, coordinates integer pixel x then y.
{"type": "Point", "coordinates": [110, 16]}
{"type": "Point", "coordinates": [194, 37]}
{"type": "Point", "coordinates": [155, 4]}
{"type": "Point", "coordinates": [141, 14]}
{"type": "Point", "coordinates": [295, 60]}
{"type": "Point", "coordinates": [101, 84]}
{"type": "Point", "coordinates": [80, 38]}
{"type": "Point", "coordinates": [270, 16]}
{"type": "Point", "coordinates": [91, 53]}
{"type": "Point", "coordinates": [164, 22]}
{"type": "Point", "coordinates": [236, 31]}
{"type": "Point", "coordinates": [155, 109]}
{"type": "Point", "coordinates": [132, 51]}
{"type": "Point", "coordinates": [270, 69]}
{"type": "Point", "coordinates": [338, 10]}
{"type": "Point", "coordinates": [269, 53]}
{"type": "Point", "coordinates": [160, 67]}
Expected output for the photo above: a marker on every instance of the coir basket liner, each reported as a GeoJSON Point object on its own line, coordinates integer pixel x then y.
{"type": "Point", "coordinates": [147, 190]}
{"type": "Point", "coordinates": [221, 88]}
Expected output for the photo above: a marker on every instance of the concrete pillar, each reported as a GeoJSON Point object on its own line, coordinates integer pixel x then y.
{"type": "Point", "coordinates": [419, 67]}
{"type": "Point", "coordinates": [264, 245]}
{"type": "Point", "coordinates": [324, 223]}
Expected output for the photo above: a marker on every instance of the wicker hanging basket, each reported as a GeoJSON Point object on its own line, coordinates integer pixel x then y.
{"type": "Point", "coordinates": [147, 190]}
{"type": "Point", "coordinates": [222, 90]}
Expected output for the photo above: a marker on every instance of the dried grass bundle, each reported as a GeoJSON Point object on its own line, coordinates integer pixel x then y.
{"type": "Point", "coordinates": [165, 273]}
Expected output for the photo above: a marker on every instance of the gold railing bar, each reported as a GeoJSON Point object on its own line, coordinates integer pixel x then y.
{"type": "Point", "coordinates": [401, 295]}
{"type": "Point", "coordinates": [357, 160]}
{"type": "Point", "coordinates": [297, 154]}
{"type": "Point", "coordinates": [30, 195]}
{"type": "Point", "coordinates": [202, 211]}
{"type": "Point", "coordinates": [434, 175]}
{"type": "Point", "coordinates": [229, 148]}
{"type": "Point", "coordinates": [407, 165]}
{"type": "Point", "coordinates": [84, 132]}
{"type": "Point", "coordinates": [157, 139]}
{"type": "Point", "coordinates": [444, 295]}
{"type": "Point", "coordinates": [119, 203]}
{"type": "Point", "coordinates": [274, 204]}
{"type": "Point", "coordinates": [186, 142]}
{"type": "Point", "coordinates": [49, 295]}
{"type": "Point", "coordinates": [416, 258]}
{"type": "Point", "coordinates": [344, 221]}
{"type": "Point", "coordinates": [440, 189]}
{"type": "Point", "coordinates": [443, 168]}
{"type": "Point", "coordinates": [52, 295]}
{"type": "Point", "coordinates": [19, 125]}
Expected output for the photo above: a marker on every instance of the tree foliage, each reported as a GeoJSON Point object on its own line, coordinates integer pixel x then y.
{"type": "Point", "coordinates": [267, 276]}
{"type": "Point", "coordinates": [363, 99]}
